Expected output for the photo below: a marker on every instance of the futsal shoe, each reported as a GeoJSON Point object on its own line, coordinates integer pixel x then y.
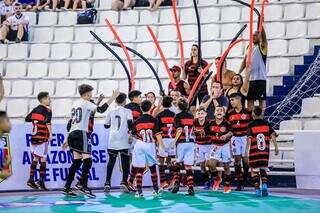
{"type": "Point", "coordinates": [124, 187]}
{"type": "Point", "coordinates": [42, 186]}
{"type": "Point", "coordinates": [32, 184]}
{"type": "Point", "coordinates": [190, 191]}
{"type": "Point", "coordinates": [175, 188]}
{"type": "Point", "coordinates": [78, 186]}
{"type": "Point", "coordinates": [258, 193]}
{"type": "Point", "coordinates": [139, 194]}
{"type": "Point", "coordinates": [68, 192]}
{"type": "Point", "coordinates": [86, 191]}
{"type": "Point", "coordinates": [264, 190]}
{"type": "Point", "coordinates": [216, 184]}
{"type": "Point", "coordinates": [107, 188]}
{"type": "Point", "coordinates": [131, 187]}
{"type": "Point", "coordinates": [226, 189]}
{"type": "Point", "coordinates": [157, 192]}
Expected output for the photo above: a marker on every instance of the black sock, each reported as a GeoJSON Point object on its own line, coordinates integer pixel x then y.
{"type": "Point", "coordinates": [87, 163]}
{"type": "Point", "coordinates": [125, 164]}
{"type": "Point", "coordinates": [111, 162]}
{"type": "Point", "coordinates": [245, 171]}
{"type": "Point", "coordinates": [76, 164]}
{"type": "Point", "coordinates": [42, 171]}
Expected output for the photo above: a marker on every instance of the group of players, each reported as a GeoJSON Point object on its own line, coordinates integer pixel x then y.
{"type": "Point", "coordinates": [167, 136]}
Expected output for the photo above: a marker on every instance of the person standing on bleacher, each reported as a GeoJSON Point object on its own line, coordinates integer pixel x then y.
{"type": "Point", "coordinates": [16, 27]}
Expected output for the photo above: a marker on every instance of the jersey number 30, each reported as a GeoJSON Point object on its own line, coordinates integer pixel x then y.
{"type": "Point", "coordinates": [76, 115]}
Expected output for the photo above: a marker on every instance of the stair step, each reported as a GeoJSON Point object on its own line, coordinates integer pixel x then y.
{"type": "Point", "coordinates": [316, 50]}
{"type": "Point", "coordinates": [308, 59]}
{"type": "Point", "coordinates": [289, 80]}
{"type": "Point", "coordinates": [282, 90]}
{"type": "Point", "coordinates": [300, 69]}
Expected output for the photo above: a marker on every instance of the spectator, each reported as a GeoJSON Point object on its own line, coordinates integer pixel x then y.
{"type": "Point", "coordinates": [41, 4]}
{"type": "Point", "coordinates": [150, 96]}
{"type": "Point", "coordinates": [16, 27]}
{"type": "Point", "coordinates": [226, 74]}
{"type": "Point", "coordinates": [6, 10]}
{"type": "Point", "coordinates": [181, 85]}
{"type": "Point", "coordinates": [258, 77]}
{"type": "Point", "coordinates": [215, 99]}
{"type": "Point", "coordinates": [122, 4]}
{"type": "Point", "coordinates": [191, 73]}
{"type": "Point", "coordinates": [78, 4]}
{"type": "Point", "coordinates": [155, 4]}
{"type": "Point", "coordinates": [28, 4]}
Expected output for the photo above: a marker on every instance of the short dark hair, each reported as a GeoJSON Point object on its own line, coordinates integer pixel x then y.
{"type": "Point", "coordinates": [146, 106]}
{"type": "Point", "coordinates": [201, 108]}
{"type": "Point", "coordinates": [3, 114]}
{"type": "Point", "coordinates": [121, 98]}
{"type": "Point", "coordinates": [133, 94]}
{"type": "Point", "coordinates": [167, 101]}
{"type": "Point", "coordinates": [17, 4]}
{"type": "Point", "coordinates": [84, 88]}
{"type": "Point", "coordinates": [42, 95]}
{"type": "Point", "coordinates": [218, 82]}
{"type": "Point", "coordinates": [183, 104]}
{"type": "Point", "coordinates": [235, 95]}
{"type": "Point", "coordinates": [257, 111]}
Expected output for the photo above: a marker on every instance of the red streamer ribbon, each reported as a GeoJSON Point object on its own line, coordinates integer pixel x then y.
{"type": "Point", "coordinates": [131, 66]}
{"type": "Point", "coordinates": [174, 7]}
{"type": "Point", "coordinates": [164, 60]}
{"type": "Point", "coordinates": [196, 84]}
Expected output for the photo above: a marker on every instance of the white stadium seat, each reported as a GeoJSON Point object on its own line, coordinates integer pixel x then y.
{"type": "Point", "coordinates": [129, 17]}
{"type": "Point", "coordinates": [230, 13]}
{"type": "Point", "coordinates": [100, 52]}
{"type": "Point", "coordinates": [207, 2]}
{"type": "Point", "coordinates": [63, 34]}
{"type": "Point", "coordinates": [291, 125]}
{"type": "Point", "coordinates": [162, 72]}
{"type": "Point", "coordinates": [189, 32]}
{"type": "Point", "coordinates": [7, 88]}
{"type": "Point", "coordinates": [3, 105]}
{"type": "Point", "coordinates": [2, 69]}
{"type": "Point", "coordinates": [294, 11]}
{"type": "Point", "coordinates": [124, 85]}
{"type": "Point", "coordinates": [32, 17]}
{"type": "Point", "coordinates": [15, 70]}
{"type": "Point", "coordinates": [39, 51]}
{"type": "Point", "coordinates": [296, 29]}
{"type": "Point", "coordinates": [245, 13]}
{"type": "Point", "coordinates": [121, 53]}
{"type": "Point", "coordinates": [43, 34]}
{"type": "Point", "coordinates": [170, 49]}
{"type": "Point", "coordinates": [33, 103]}
{"type": "Point", "coordinates": [48, 18]}
{"type": "Point", "coordinates": [101, 70]}
{"type": "Point", "coordinates": [112, 16]}
{"type": "Point", "coordinates": [17, 51]}
{"type": "Point", "coordinates": [61, 107]}
{"type": "Point", "coordinates": [210, 31]}
{"type": "Point", "coordinates": [187, 15]}
{"type": "Point", "coordinates": [81, 51]}
{"type": "Point", "coordinates": [119, 72]}
{"type": "Point", "coordinates": [228, 31]}
{"type": "Point", "coordinates": [308, 107]}
{"type": "Point", "coordinates": [60, 51]}
{"type": "Point", "coordinates": [37, 70]}
{"type": "Point", "coordinates": [92, 83]}
{"type": "Point", "coordinates": [107, 86]}
{"type": "Point", "coordinates": [149, 17]}
{"type": "Point", "coordinates": [65, 88]}
{"type": "Point", "coordinates": [234, 64]}
{"type": "Point", "coordinates": [149, 85]}
{"type": "Point", "coordinates": [67, 18]}
{"type": "Point", "coordinates": [21, 88]}
{"type": "Point", "coordinates": [312, 10]}
{"type": "Point", "coordinates": [105, 4]}
{"type": "Point", "coordinates": [314, 29]}
{"type": "Point", "coordinates": [211, 49]}
{"type": "Point", "coordinates": [82, 34]}
{"type": "Point", "coordinates": [167, 33]}
{"type": "Point", "coordinates": [273, 12]}
{"type": "Point", "coordinates": [312, 125]}
{"type": "Point", "coordinates": [237, 50]}
{"type": "Point", "coordinates": [166, 16]}
{"type": "Point", "coordinates": [43, 85]}
{"type": "Point", "coordinates": [275, 30]}
{"type": "Point", "coordinates": [278, 67]}
{"type": "Point", "coordinates": [187, 48]}
{"type": "Point", "coordinates": [79, 70]}
{"type": "Point", "coordinates": [17, 107]}
{"type": "Point", "coordinates": [3, 51]}
{"type": "Point", "coordinates": [147, 49]}
{"type": "Point", "coordinates": [299, 46]}
{"type": "Point", "coordinates": [277, 47]}
{"type": "Point", "coordinates": [58, 70]}
{"type": "Point", "coordinates": [143, 33]}
{"type": "Point", "coordinates": [104, 33]}
{"type": "Point", "coordinates": [210, 14]}
{"type": "Point", "coordinates": [127, 33]}
{"type": "Point", "coordinates": [143, 70]}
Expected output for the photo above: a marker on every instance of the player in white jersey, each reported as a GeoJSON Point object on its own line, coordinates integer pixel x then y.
{"type": "Point", "coordinates": [119, 123]}
{"type": "Point", "coordinates": [16, 27]}
{"type": "Point", "coordinates": [79, 139]}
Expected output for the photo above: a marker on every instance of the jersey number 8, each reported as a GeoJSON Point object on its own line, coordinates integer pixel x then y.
{"type": "Point", "coordinates": [261, 142]}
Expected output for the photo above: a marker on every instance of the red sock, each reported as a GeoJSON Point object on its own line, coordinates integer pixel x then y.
{"type": "Point", "coordinates": [162, 169]}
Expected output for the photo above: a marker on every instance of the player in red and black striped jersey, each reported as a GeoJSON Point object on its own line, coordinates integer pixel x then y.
{"type": "Point", "coordinates": [146, 130]}
{"type": "Point", "coordinates": [40, 117]}
{"type": "Point", "coordinates": [260, 132]}
{"type": "Point", "coordinates": [203, 143]}
{"type": "Point", "coordinates": [185, 140]}
{"type": "Point", "coordinates": [166, 120]}
{"type": "Point", "coordinates": [134, 105]}
{"type": "Point", "coordinates": [239, 118]}
{"type": "Point", "coordinates": [220, 133]}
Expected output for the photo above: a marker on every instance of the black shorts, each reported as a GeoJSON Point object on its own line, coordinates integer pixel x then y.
{"type": "Point", "coordinates": [12, 35]}
{"type": "Point", "coordinates": [80, 141]}
{"type": "Point", "coordinates": [199, 97]}
{"type": "Point", "coordinates": [257, 90]}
